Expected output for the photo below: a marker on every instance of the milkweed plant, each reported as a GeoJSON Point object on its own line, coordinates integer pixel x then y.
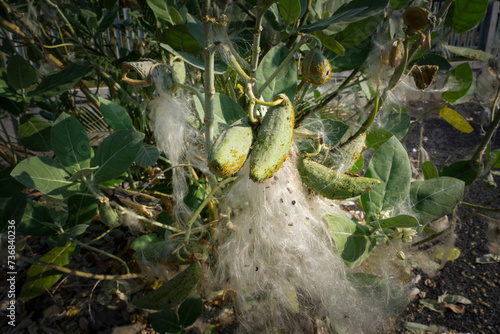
{"type": "Point", "coordinates": [254, 151]}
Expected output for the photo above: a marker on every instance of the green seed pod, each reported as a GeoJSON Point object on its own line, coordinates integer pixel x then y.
{"type": "Point", "coordinates": [331, 184]}
{"type": "Point", "coordinates": [108, 216]}
{"type": "Point", "coordinates": [316, 68]}
{"type": "Point", "coordinates": [274, 139]}
{"type": "Point", "coordinates": [345, 156]}
{"type": "Point", "coordinates": [230, 150]}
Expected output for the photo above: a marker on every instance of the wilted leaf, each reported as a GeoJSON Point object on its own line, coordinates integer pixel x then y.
{"type": "Point", "coordinates": [455, 119]}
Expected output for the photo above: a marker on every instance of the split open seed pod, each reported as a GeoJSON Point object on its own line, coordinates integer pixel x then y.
{"type": "Point", "coordinates": [416, 19]}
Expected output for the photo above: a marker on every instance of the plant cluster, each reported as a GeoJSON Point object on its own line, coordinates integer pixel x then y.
{"type": "Point", "coordinates": [217, 147]}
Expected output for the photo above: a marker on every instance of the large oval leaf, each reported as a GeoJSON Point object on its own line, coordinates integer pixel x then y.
{"type": "Point", "coordinates": [147, 156]}
{"type": "Point", "coordinates": [116, 153]}
{"type": "Point", "coordinates": [20, 74]}
{"type": "Point", "coordinates": [174, 291]}
{"type": "Point", "coordinates": [351, 12]}
{"type": "Point", "coordinates": [390, 165]}
{"type": "Point", "coordinates": [34, 133]}
{"type": "Point", "coordinates": [467, 14]}
{"type": "Point", "coordinates": [434, 198]}
{"type": "Point", "coordinates": [115, 115]}
{"type": "Point", "coordinates": [58, 82]}
{"type": "Point", "coordinates": [226, 111]}
{"type": "Point", "coordinates": [459, 84]}
{"type": "Point", "coordinates": [39, 278]}
{"type": "Point", "coordinates": [285, 81]}
{"type": "Point", "coordinates": [46, 175]}
{"type": "Point", "coordinates": [351, 239]}
{"type": "Point", "coordinates": [71, 143]}
{"type": "Point", "coordinates": [290, 10]}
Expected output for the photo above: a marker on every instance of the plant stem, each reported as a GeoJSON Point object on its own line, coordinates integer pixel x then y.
{"type": "Point", "coordinates": [367, 123]}
{"type": "Point", "coordinates": [479, 207]}
{"type": "Point", "coordinates": [102, 252]}
{"type": "Point", "coordinates": [256, 39]}
{"type": "Point", "coordinates": [327, 99]}
{"type": "Point", "coordinates": [203, 204]}
{"type": "Point", "coordinates": [76, 272]}
{"type": "Point", "coordinates": [209, 77]}
{"type": "Point", "coordinates": [478, 154]}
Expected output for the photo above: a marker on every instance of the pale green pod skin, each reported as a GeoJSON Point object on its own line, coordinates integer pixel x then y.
{"type": "Point", "coordinates": [316, 68]}
{"type": "Point", "coordinates": [108, 216]}
{"type": "Point", "coordinates": [345, 156]}
{"type": "Point", "coordinates": [229, 152]}
{"type": "Point", "coordinates": [331, 184]}
{"type": "Point", "coordinates": [274, 139]}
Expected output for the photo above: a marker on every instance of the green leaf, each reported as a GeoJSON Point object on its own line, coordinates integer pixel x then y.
{"type": "Point", "coordinates": [46, 175]}
{"type": "Point", "coordinates": [160, 9]}
{"type": "Point", "coordinates": [173, 292]}
{"type": "Point", "coordinates": [115, 115]}
{"type": "Point", "coordinates": [34, 134]}
{"type": "Point", "coordinates": [357, 32]}
{"type": "Point", "coordinates": [12, 210]}
{"type": "Point", "coordinates": [401, 221]}
{"type": "Point", "coordinates": [433, 59]}
{"type": "Point", "coordinates": [180, 38]}
{"type": "Point", "coordinates": [495, 159]}
{"type": "Point", "coordinates": [330, 43]}
{"type": "Point", "coordinates": [353, 57]}
{"type": "Point", "coordinates": [460, 84]}
{"type": "Point", "coordinates": [285, 82]}
{"type": "Point", "coordinates": [467, 14]}
{"type": "Point", "coordinates": [396, 123]}
{"type": "Point", "coordinates": [474, 54]}
{"type": "Point", "coordinates": [390, 165]}
{"type": "Point", "coordinates": [34, 221]}
{"type": "Point", "coordinates": [290, 10]}
{"type": "Point", "coordinates": [465, 170]}
{"type": "Point", "coordinates": [166, 322]}
{"type": "Point", "coordinates": [377, 288]}
{"type": "Point", "coordinates": [82, 209]}
{"type": "Point", "coordinates": [435, 198]}
{"type": "Point", "coordinates": [147, 156]}
{"type": "Point", "coordinates": [433, 305]}
{"type": "Point", "coordinates": [79, 174]}
{"type": "Point", "coordinates": [456, 120]}
{"type": "Point", "coordinates": [107, 20]}
{"type": "Point", "coordinates": [144, 241]}
{"type": "Point", "coordinates": [190, 310]}
{"type": "Point", "coordinates": [353, 11]}
{"type": "Point", "coordinates": [39, 278]}
{"type": "Point", "coordinates": [397, 4]}
{"type": "Point", "coordinates": [58, 82]}
{"type": "Point", "coordinates": [116, 153]}
{"type": "Point", "coordinates": [429, 170]}
{"type": "Point", "coordinates": [71, 143]}
{"type": "Point", "coordinates": [20, 74]}
{"type": "Point", "coordinates": [219, 68]}
{"type": "Point", "coordinates": [376, 137]}
{"type": "Point", "coordinates": [226, 111]}
{"type": "Point", "coordinates": [358, 165]}
{"type": "Point", "coordinates": [10, 185]}
{"type": "Point", "coordinates": [70, 233]}
{"type": "Point", "coordinates": [351, 239]}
